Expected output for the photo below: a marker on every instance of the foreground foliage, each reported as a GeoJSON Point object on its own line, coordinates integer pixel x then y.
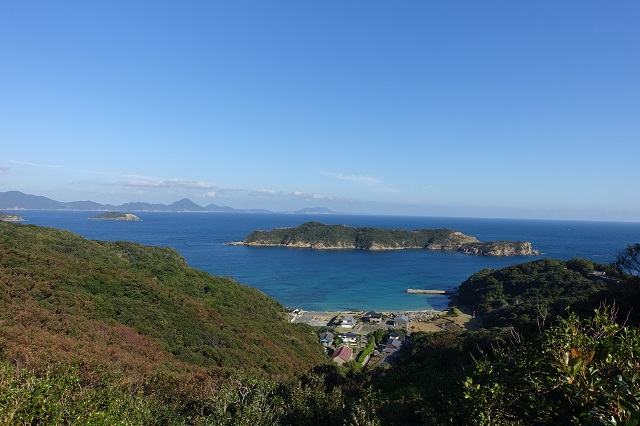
{"type": "Point", "coordinates": [578, 372]}
{"type": "Point", "coordinates": [97, 333]}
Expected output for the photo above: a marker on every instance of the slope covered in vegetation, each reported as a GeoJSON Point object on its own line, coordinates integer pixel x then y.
{"type": "Point", "coordinates": [117, 333]}
{"type": "Point", "coordinates": [138, 309]}
{"type": "Point", "coordinates": [519, 294]}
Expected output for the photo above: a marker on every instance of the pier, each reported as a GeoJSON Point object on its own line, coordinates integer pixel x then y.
{"type": "Point", "coordinates": [417, 291]}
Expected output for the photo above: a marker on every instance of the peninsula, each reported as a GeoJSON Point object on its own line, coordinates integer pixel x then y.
{"type": "Point", "coordinates": [116, 216]}
{"type": "Point", "coordinates": [325, 237]}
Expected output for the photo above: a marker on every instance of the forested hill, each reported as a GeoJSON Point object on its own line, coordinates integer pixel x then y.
{"type": "Point", "coordinates": [135, 309]}
{"type": "Point", "coordinates": [319, 236]}
{"type": "Point", "coordinates": [519, 294]}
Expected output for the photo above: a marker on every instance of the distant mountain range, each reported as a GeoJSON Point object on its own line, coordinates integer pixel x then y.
{"type": "Point", "coordinates": [16, 200]}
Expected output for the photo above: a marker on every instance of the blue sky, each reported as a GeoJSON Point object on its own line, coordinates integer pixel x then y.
{"type": "Point", "coordinates": [435, 108]}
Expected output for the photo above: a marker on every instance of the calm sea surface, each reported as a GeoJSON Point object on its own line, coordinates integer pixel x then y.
{"type": "Point", "coordinates": [345, 279]}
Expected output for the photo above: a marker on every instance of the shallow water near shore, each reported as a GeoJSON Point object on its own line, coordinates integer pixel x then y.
{"type": "Point", "coordinates": [341, 280]}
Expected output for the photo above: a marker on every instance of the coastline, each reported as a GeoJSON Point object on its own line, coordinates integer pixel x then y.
{"type": "Point", "coordinates": [345, 280]}
{"type": "Point", "coordinates": [429, 320]}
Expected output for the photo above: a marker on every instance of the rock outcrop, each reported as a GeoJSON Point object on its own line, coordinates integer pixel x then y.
{"type": "Point", "coordinates": [500, 248]}
{"type": "Point", "coordinates": [6, 217]}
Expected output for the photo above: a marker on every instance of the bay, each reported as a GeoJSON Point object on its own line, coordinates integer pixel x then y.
{"type": "Point", "coordinates": [340, 280]}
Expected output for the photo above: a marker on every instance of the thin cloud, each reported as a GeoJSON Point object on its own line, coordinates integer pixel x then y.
{"type": "Point", "coordinates": [267, 192]}
{"type": "Point", "coordinates": [27, 163]}
{"type": "Point", "coordinates": [355, 179]}
{"type": "Point", "coordinates": [310, 196]}
{"type": "Point", "coordinates": [171, 183]}
{"type": "Point", "coordinates": [108, 173]}
{"type": "Point", "coordinates": [295, 194]}
{"type": "Point", "coordinates": [387, 190]}
{"type": "Point", "coordinates": [4, 170]}
{"type": "Point", "coordinates": [146, 184]}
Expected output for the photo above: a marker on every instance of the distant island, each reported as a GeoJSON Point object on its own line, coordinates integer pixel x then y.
{"type": "Point", "coordinates": [326, 237]}
{"type": "Point", "coordinates": [6, 217]}
{"type": "Point", "coordinates": [128, 217]}
{"type": "Point", "coordinates": [16, 200]}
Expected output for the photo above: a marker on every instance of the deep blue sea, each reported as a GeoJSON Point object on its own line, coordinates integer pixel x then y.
{"type": "Point", "coordinates": [345, 279]}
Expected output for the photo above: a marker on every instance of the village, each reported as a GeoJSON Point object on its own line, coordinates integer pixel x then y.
{"type": "Point", "coordinates": [374, 338]}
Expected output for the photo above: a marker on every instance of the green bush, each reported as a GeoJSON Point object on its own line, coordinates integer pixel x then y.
{"type": "Point", "coordinates": [577, 372]}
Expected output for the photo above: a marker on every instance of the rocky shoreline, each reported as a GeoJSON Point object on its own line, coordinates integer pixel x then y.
{"type": "Point", "coordinates": [497, 248]}
{"type": "Point", "coordinates": [318, 236]}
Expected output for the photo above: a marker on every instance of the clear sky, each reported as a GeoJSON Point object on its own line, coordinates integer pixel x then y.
{"type": "Point", "coordinates": [439, 108]}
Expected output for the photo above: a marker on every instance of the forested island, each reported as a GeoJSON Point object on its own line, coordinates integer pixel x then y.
{"type": "Point", "coordinates": [316, 235]}
{"type": "Point", "coordinates": [96, 332]}
{"type": "Point", "coordinates": [127, 217]}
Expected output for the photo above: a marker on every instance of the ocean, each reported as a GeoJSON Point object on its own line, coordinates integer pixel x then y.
{"type": "Point", "coordinates": [345, 280]}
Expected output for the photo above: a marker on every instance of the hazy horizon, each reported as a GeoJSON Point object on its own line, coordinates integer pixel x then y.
{"type": "Point", "coordinates": [442, 212]}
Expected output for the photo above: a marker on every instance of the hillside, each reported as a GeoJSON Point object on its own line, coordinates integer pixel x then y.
{"type": "Point", "coordinates": [135, 309]}
{"type": "Point", "coordinates": [559, 345]}
{"type": "Point", "coordinates": [517, 295]}
{"type": "Point", "coordinates": [95, 332]}
{"type": "Point", "coordinates": [16, 200]}
{"type": "Point", "coordinates": [319, 236]}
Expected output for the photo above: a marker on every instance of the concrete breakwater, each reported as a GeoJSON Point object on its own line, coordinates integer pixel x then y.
{"type": "Point", "coordinates": [418, 291]}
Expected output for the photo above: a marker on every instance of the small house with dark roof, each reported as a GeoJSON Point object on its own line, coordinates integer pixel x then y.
{"type": "Point", "coordinates": [349, 337]}
{"type": "Point", "coordinates": [326, 338]}
{"type": "Point", "coordinates": [392, 346]}
{"type": "Point", "coordinates": [373, 317]}
{"type": "Point", "coordinates": [342, 355]}
{"type": "Point", "coordinates": [397, 336]}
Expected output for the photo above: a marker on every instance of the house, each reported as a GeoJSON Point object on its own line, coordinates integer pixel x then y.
{"type": "Point", "coordinates": [372, 317]}
{"type": "Point", "coordinates": [342, 354]}
{"type": "Point", "coordinates": [397, 336]}
{"type": "Point", "coordinates": [401, 321]}
{"type": "Point", "coordinates": [349, 337]}
{"type": "Point", "coordinates": [326, 338]}
{"type": "Point", "coordinates": [392, 346]}
{"type": "Point", "coordinates": [348, 322]}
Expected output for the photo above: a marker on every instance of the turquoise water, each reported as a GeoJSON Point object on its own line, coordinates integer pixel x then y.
{"type": "Point", "coordinates": [345, 279]}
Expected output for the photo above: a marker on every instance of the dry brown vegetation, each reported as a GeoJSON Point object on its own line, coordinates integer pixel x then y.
{"type": "Point", "coordinates": [138, 310]}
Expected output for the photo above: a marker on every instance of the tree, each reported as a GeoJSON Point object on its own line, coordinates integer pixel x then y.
{"type": "Point", "coordinates": [584, 266]}
{"type": "Point", "coordinates": [628, 260]}
{"type": "Point", "coordinates": [378, 335]}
